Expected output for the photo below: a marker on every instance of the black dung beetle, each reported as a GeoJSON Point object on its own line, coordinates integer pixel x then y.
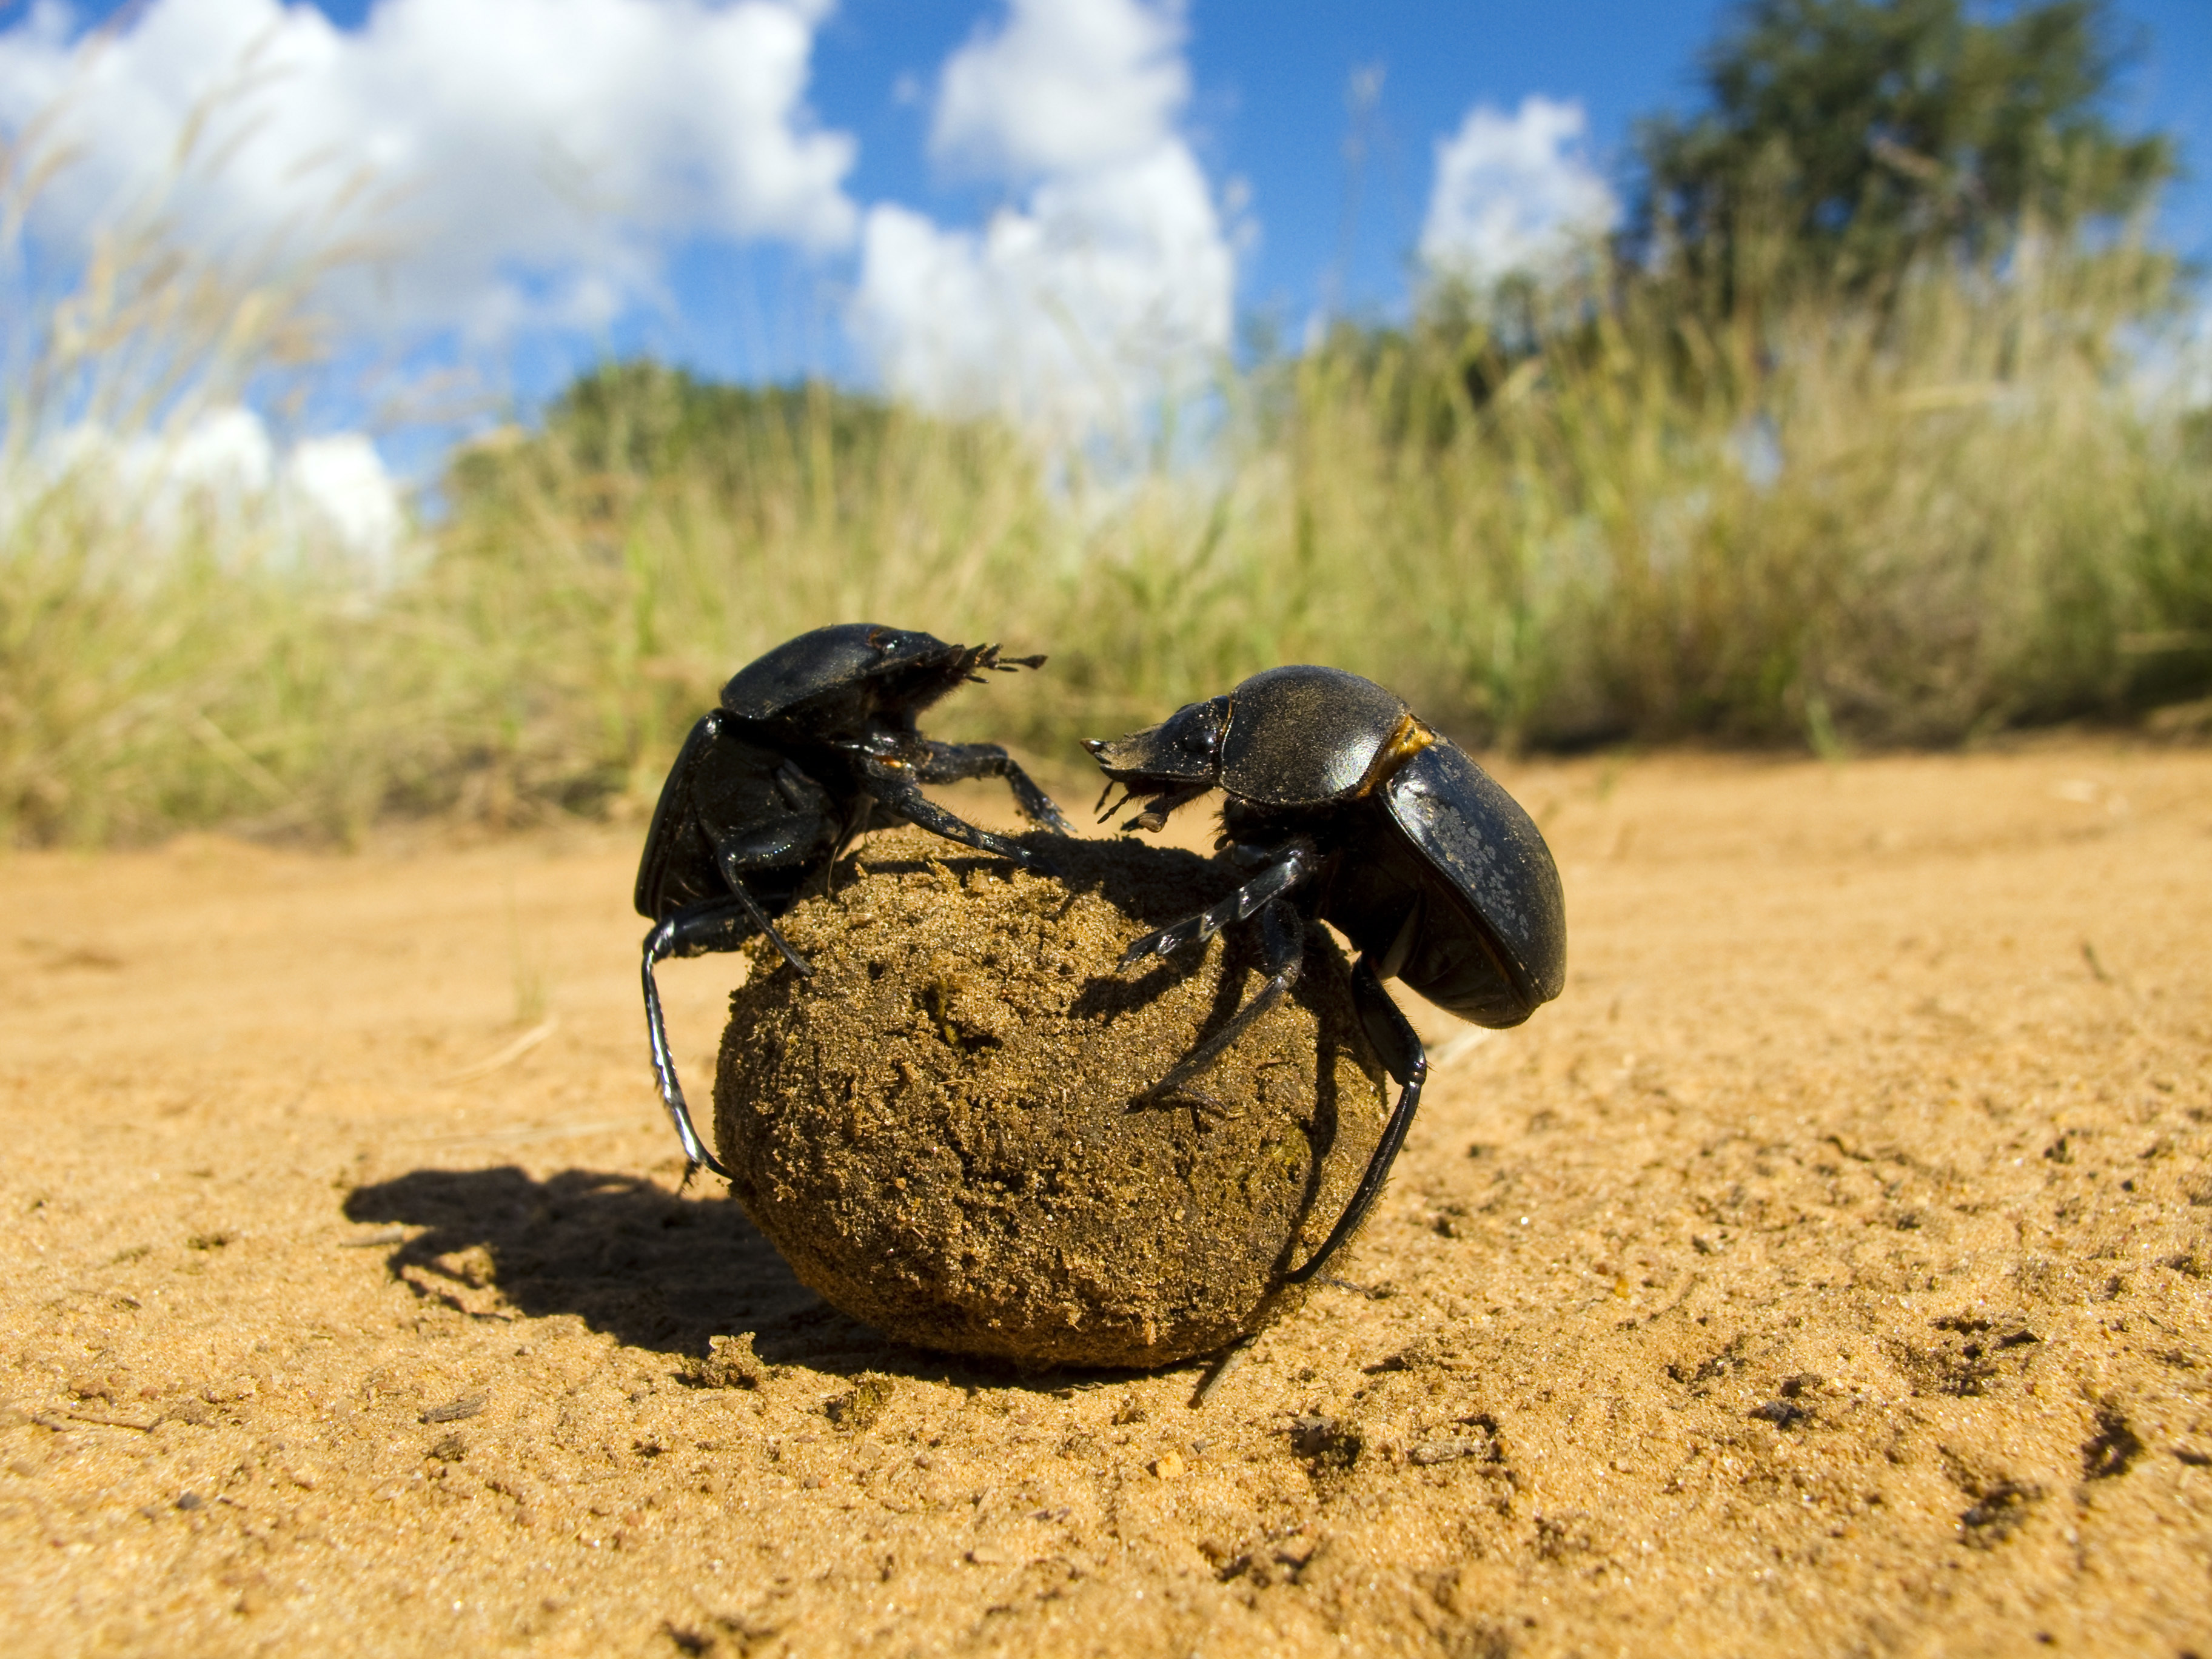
{"type": "Point", "coordinates": [1354, 813]}
{"type": "Point", "coordinates": [811, 743]}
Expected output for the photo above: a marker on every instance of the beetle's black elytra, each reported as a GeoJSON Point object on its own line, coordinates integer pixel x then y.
{"type": "Point", "coordinates": [1351, 811]}
{"type": "Point", "coordinates": [811, 744]}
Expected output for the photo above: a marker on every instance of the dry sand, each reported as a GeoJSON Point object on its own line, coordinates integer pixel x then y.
{"type": "Point", "coordinates": [1828, 1271]}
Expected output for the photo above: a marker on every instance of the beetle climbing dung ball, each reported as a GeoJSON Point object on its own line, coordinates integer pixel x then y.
{"type": "Point", "coordinates": [946, 1132]}
{"type": "Point", "coordinates": [807, 742]}
{"type": "Point", "coordinates": [1348, 808]}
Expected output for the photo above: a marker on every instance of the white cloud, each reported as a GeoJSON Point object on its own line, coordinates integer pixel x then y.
{"type": "Point", "coordinates": [226, 454]}
{"type": "Point", "coordinates": [1111, 284]}
{"type": "Point", "coordinates": [341, 482]}
{"type": "Point", "coordinates": [1066, 84]}
{"type": "Point", "coordinates": [1515, 194]}
{"type": "Point", "coordinates": [540, 157]}
{"type": "Point", "coordinates": [224, 467]}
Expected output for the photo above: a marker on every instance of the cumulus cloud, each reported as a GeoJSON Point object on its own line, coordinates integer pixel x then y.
{"type": "Point", "coordinates": [1110, 283]}
{"type": "Point", "coordinates": [331, 493]}
{"type": "Point", "coordinates": [1067, 84]}
{"type": "Point", "coordinates": [1515, 195]}
{"type": "Point", "coordinates": [535, 158]}
{"type": "Point", "coordinates": [340, 482]}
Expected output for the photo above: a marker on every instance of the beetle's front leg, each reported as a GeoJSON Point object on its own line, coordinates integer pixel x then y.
{"type": "Point", "coordinates": [1292, 866]}
{"type": "Point", "coordinates": [894, 786]}
{"type": "Point", "coordinates": [956, 762]}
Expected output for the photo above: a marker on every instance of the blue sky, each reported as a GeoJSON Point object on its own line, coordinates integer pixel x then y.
{"type": "Point", "coordinates": [864, 245]}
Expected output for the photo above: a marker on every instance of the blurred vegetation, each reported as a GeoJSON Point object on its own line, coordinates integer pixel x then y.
{"type": "Point", "coordinates": [1858, 139]}
{"type": "Point", "coordinates": [1745, 497]}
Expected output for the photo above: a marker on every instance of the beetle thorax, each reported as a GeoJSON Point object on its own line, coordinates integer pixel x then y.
{"type": "Point", "coordinates": [1303, 735]}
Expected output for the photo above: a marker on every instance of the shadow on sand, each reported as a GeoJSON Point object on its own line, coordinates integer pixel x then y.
{"type": "Point", "coordinates": [656, 1270]}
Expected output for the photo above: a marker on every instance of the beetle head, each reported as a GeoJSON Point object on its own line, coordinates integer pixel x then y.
{"type": "Point", "coordinates": [1173, 761]}
{"type": "Point", "coordinates": [840, 678]}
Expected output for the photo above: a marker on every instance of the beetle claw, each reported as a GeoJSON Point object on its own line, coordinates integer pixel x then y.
{"type": "Point", "coordinates": [1150, 946]}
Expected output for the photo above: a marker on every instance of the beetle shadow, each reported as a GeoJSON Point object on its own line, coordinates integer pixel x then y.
{"type": "Point", "coordinates": [651, 1268]}
{"type": "Point", "coordinates": [659, 1270]}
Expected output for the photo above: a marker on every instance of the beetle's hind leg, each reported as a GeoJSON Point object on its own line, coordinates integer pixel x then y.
{"type": "Point", "coordinates": [1403, 1057]}
{"type": "Point", "coordinates": [715, 924]}
{"type": "Point", "coordinates": [1283, 938]}
{"type": "Point", "coordinates": [956, 762]}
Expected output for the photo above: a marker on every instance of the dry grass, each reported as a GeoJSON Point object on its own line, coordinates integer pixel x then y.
{"type": "Point", "coordinates": [1832, 526]}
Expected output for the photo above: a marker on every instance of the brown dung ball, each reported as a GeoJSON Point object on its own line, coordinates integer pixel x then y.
{"type": "Point", "coordinates": [947, 1130]}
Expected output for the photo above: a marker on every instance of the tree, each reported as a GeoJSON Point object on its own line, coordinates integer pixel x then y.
{"type": "Point", "coordinates": [1860, 135]}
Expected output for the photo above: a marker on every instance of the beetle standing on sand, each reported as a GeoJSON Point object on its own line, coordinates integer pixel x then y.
{"type": "Point", "coordinates": [1353, 812]}
{"type": "Point", "coordinates": [811, 744]}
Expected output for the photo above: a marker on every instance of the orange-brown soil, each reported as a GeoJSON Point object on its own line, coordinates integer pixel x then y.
{"type": "Point", "coordinates": [1829, 1271]}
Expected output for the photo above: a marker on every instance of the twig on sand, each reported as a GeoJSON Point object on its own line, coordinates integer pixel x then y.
{"type": "Point", "coordinates": [506, 1056]}
{"type": "Point", "coordinates": [1219, 1372]}
{"type": "Point", "coordinates": [1460, 1046]}
{"type": "Point", "coordinates": [68, 1417]}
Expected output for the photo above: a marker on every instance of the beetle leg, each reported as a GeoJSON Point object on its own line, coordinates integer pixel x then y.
{"type": "Point", "coordinates": [1407, 1063]}
{"type": "Point", "coordinates": [1158, 809]}
{"type": "Point", "coordinates": [1283, 936]}
{"type": "Point", "coordinates": [954, 763]}
{"type": "Point", "coordinates": [1295, 865]}
{"type": "Point", "coordinates": [896, 789]}
{"type": "Point", "coordinates": [734, 857]}
{"type": "Point", "coordinates": [855, 826]}
{"type": "Point", "coordinates": [717, 925]}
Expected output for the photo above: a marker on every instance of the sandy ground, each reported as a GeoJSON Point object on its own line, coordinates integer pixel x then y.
{"type": "Point", "coordinates": [1828, 1272]}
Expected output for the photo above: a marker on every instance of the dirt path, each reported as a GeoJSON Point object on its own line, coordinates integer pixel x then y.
{"type": "Point", "coordinates": [1829, 1271]}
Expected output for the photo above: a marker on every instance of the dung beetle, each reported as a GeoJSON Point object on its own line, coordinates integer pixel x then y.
{"type": "Point", "coordinates": [1351, 811]}
{"type": "Point", "coordinates": [811, 743]}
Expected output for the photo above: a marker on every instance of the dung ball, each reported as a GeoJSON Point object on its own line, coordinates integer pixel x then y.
{"type": "Point", "coordinates": [951, 1131]}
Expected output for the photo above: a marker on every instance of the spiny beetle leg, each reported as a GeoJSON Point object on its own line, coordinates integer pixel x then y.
{"type": "Point", "coordinates": [1294, 867]}
{"type": "Point", "coordinates": [761, 924]}
{"type": "Point", "coordinates": [1284, 937]}
{"type": "Point", "coordinates": [1407, 1063]}
{"type": "Point", "coordinates": [900, 792]}
{"type": "Point", "coordinates": [697, 928]}
{"type": "Point", "coordinates": [955, 762]}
